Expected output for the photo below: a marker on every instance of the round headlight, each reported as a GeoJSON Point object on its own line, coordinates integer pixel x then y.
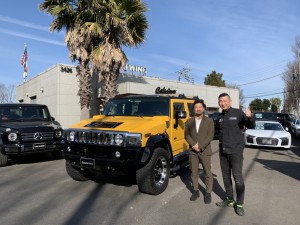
{"type": "Point", "coordinates": [12, 136]}
{"type": "Point", "coordinates": [119, 139]}
{"type": "Point", "coordinates": [58, 133]}
{"type": "Point", "coordinates": [72, 136]}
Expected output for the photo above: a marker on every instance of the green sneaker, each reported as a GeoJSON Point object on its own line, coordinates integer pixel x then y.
{"type": "Point", "coordinates": [239, 209]}
{"type": "Point", "coordinates": [225, 203]}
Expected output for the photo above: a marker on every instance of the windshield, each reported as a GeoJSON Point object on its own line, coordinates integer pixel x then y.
{"type": "Point", "coordinates": [137, 106]}
{"type": "Point", "coordinates": [20, 113]}
{"type": "Point", "coordinates": [269, 126]}
{"type": "Point", "coordinates": [267, 116]}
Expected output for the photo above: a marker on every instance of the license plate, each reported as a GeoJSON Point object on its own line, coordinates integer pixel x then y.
{"type": "Point", "coordinates": [266, 141]}
{"type": "Point", "coordinates": [87, 162]}
{"type": "Point", "coordinates": [37, 146]}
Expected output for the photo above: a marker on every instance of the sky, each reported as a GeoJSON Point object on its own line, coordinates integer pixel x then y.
{"type": "Point", "coordinates": [249, 42]}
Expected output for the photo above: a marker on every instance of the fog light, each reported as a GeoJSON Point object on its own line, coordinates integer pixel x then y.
{"type": "Point", "coordinates": [117, 154]}
{"type": "Point", "coordinates": [69, 149]}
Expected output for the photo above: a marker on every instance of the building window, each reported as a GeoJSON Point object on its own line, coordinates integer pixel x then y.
{"type": "Point", "coordinates": [33, 99]}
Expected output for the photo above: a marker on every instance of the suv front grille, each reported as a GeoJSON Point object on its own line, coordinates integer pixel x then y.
{"type": "Point", "coordinates": [37, 134]}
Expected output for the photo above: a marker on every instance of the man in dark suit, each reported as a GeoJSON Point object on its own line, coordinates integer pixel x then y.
{"type": "Point", "coordinates": [199, 132]}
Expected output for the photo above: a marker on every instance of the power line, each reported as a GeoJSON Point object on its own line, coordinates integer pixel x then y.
{"type": "Point", "coordinates": [265, 92]}
{"type": "Point", "coordinates": [257, 96]}
{"type": "Point", "coordinates": [254, 82]}
{"type": "Point", "coordinates": [272, 94]}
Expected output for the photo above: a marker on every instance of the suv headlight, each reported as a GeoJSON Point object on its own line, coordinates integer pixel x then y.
{"type": "Point", "coordinates": [119, 139]}
{"type": "Point", "coordinates": [71, 136]}
{"type": "Point", "coordinates": [134, 139]}
{"type": "Point", "coordinates": [58, 133]}
{"type": "Point", "coordinates": [12, 137]}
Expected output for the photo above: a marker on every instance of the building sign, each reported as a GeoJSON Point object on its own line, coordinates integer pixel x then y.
{"type": "Point", "coordinates": [132, 68]}
{"type": "Point", "coordinates": [66, 69]}
{"type": "Point", "coordinates": [163, 90]}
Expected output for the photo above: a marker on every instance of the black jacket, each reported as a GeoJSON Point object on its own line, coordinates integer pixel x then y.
{"type": "Point", "coordinates": [231, 124]}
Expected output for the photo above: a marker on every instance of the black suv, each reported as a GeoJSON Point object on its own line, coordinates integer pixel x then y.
{"type": "Point", "coordinates": [27, 129]}
{"type": "Point", "coordinates": [285, 119]}
{"type": "Point", "coordinates": [215, 117]}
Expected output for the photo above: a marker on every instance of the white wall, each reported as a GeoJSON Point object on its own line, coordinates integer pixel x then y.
{"type": "Point", "coordinates": [60, 88]}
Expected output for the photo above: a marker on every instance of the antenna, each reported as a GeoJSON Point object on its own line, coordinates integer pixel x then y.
{"type": "Point", "coordinates": [185, 73]}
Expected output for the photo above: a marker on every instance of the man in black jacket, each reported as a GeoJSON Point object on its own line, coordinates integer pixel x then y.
{"type": "Point", "coordinates": [231, 147]}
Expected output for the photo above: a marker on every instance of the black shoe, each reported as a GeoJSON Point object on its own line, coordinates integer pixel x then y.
{"type": "Point", "coordinates": [225, 203]}
{"type": "Point", "coordinates": [195, 195]}
{"type": "Point", "coordinates": [207, 198]}
{"type": "Point", "coordinates": [239, 209]}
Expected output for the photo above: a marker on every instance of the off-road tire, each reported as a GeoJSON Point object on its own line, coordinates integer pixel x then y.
{"type": "Point", "coordinates": [3, 159]}
{"type": "Point", "coordinates": [153, 178]}
{"type": "Point", "coordinates": [76, 173]}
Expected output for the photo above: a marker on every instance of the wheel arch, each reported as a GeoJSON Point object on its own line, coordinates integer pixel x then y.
{"type": "Point", "coordinates": [155, 141]}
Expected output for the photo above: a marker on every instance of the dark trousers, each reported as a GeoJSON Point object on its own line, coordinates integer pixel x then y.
{"type": "Point", "coordinates": [233, 164]}
{"type": "Point", "coordinates": [205, 160]}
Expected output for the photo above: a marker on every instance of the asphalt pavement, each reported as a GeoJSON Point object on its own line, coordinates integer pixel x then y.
{"type": "Point", "coordinates": [37, 190]}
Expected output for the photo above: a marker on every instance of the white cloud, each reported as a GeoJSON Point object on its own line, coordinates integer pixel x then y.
{"type": "Point", "coordinates": [31, 37]}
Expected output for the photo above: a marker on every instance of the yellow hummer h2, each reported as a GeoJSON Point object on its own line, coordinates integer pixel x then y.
{"type": "Point", "coordinates": [141, 134]}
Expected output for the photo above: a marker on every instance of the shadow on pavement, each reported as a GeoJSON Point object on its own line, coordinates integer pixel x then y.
{"type": "Point", "coordinates": [184, 175]}
{"type": "Point", "coordinates": [32, 159]}
{"type": "Point", "coordinates": [288, 168]}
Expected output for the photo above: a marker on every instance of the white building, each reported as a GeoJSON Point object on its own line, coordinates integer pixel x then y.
{"type": "Point", "coordinates": [57, 87]}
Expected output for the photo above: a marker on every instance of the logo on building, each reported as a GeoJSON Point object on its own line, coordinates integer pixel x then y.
{"type": "Point", "coordinates": [138, 69]}
{"type": "Point", "coordinates": [163, 90]}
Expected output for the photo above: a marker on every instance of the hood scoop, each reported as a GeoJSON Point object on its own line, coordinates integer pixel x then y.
{"type": "Point", "coordinates": [103, 124]}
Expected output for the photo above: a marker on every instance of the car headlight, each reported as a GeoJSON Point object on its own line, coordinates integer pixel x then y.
{"type": "Point", "coordinates": [134, 139]}
{"type": "Point", "coordinates": [119, 139]}
{"type": "Point", "coordinates": [71, 136]}
{"type": "Point", "coordinates": [12, 137]}
{"type": "Point", "coordinates": [250, 138]}
{"type": "Point", "coordinates": [58, 133]}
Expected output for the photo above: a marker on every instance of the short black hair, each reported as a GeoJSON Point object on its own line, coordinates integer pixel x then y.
{"type": "Point", "coordinates": [223, 95]}
{"type": "Point", "coordinates": [199, 101]}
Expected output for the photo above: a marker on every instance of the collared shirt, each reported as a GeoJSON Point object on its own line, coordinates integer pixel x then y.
{"type": "Point", "coordinates": [198, 122]}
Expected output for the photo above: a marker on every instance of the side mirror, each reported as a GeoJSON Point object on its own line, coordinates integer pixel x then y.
{"type": "Point", "coordinates": [179, 115]}
{"type": "Point", "coordinates": [52, 118]}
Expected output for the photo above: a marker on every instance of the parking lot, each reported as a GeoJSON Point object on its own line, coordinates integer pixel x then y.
{"type": "Point", "coordinates": [38, 191]}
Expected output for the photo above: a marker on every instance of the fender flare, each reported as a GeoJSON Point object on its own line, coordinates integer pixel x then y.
{"type": "Point", "coordinates": [158, 140]}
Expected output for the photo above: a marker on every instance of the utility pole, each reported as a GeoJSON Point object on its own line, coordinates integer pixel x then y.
{"type": "Point", "coordinates": [298, 77]}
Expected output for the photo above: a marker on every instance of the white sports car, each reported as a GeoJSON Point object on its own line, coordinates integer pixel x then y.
{"type": "Point", "coordinates": [268, 134]}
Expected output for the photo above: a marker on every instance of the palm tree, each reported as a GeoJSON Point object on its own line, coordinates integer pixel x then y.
{"type": "Point", "coordinates": [118, 23]}
{"type": "Point", "coordinates": [69, 17]}
{"type": "Point", "coordinates": [95, 32]}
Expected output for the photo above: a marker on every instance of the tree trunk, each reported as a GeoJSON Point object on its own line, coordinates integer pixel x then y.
{"type": "Point", "coordinates": [85, 113]}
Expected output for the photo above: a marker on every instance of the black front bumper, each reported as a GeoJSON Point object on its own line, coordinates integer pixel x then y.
{"type": "Point", "coordinates": [31, 147]}
{"type": "Point", "coordinates": [99, 158]}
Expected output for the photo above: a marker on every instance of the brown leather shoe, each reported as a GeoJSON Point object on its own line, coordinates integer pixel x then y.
{"type": "Point", "coordinates": [207, 198]}
{"type": "Point", "coordinates": [195, 195]}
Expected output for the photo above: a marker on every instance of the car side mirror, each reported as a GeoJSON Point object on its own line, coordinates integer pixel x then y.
{"type": "Point", "coordinates": [179, 115]}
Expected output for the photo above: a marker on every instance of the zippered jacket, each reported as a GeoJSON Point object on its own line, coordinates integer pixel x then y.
{"type": "Point", "coordinates": [231, 124]}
